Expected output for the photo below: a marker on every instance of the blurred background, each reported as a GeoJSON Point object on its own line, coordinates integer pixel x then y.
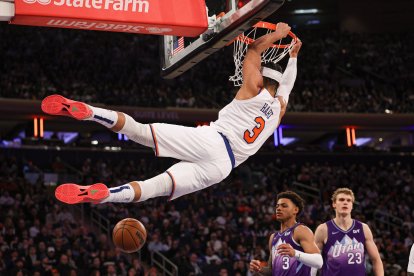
{"type": "Point", "coordinates": [350, 123]}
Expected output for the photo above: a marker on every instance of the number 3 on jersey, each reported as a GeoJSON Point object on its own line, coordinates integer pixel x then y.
{"type": "Point", "coordinates": [286, 262]}
{"type": "Point", "coordinates": [248, 136]}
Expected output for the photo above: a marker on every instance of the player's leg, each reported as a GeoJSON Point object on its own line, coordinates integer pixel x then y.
{"type": "Point", "coordinates": [191, 177]}
{"type": "Point", "coordinates": [183, 143]}
{"type": "Point", "coordinates": [160, 185]}
{"type": "Point", "coordinates": [187, 143]}
{"type": "Point", "coordinates": [181, 179]}
{"type": "Point", "coordinates": [207, 146]}
{"type": "Point", "coordinates": [115, 121]}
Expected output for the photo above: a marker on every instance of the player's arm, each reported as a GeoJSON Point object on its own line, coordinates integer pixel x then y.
{"type": "Point", "coordinates": [321, 235]}
{"type": "Point", "coordinates": [288, 77]}
{"type": "Point", "coordinates": [311, 255]}
{"type": "Point", "coordinates": [252, 77]}
{"type": "Point", "coordinates": [410, 268]}
{"type": "Point", "coordinates": [372, 251]}
{"type": "Point", "coordinates": [256, 267]}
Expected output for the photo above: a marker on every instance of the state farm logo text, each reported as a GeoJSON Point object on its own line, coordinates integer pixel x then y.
{"type": "Point", "coordinates": [102, 26]}
{"type": "Point", "coordinates": [141, 6]}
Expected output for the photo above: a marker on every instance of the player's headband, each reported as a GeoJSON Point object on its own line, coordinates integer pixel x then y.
{"type": "Point", "coordinates": [271, 74]}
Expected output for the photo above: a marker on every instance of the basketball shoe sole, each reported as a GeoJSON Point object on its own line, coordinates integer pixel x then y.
{"type": "Point", "coordinates": [59, 105]}
{"type": "Point", "coordinates": [72, 193]}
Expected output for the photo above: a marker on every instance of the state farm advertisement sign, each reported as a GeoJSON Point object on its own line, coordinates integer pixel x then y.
{"type": "Point", "coordinates": [181, 18]}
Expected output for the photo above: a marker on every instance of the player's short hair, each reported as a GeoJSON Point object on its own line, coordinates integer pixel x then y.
{"type": "Point", "coordinates": [346, 191]}
{"type": "Point", "coordinates": [273, 66]}
{"type": "Point", "coordinates": [294, 197]}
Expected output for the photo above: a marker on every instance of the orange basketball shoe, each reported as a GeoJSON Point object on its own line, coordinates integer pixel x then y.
{"type": "Point", "coordinates": [72, 193]}
{"type": "Point", "coordinates": [59, 105]}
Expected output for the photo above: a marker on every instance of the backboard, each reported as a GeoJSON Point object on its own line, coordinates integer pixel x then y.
{"type": "Point", "coordinates": [178, 54]}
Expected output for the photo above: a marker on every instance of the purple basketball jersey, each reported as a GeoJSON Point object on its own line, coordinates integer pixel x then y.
{"type": "Point", "coordinates": [344, 251]}
{"type": "Point", "coordinates": [285, 265]}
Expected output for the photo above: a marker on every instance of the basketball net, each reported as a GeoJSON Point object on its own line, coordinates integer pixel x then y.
{"type": "Point", "coordinates": [273, 54]}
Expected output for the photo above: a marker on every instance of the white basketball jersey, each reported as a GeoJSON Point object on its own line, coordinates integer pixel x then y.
{"type": "Point", "coordinates": [247, 124]}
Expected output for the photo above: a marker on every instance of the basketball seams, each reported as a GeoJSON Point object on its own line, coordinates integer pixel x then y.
{"type": "Point", "coordinates": [139, 230]}
{"type": "Point", "coordinates": [137, 246]}
{"type": "Point", "coordinates": [136, 230]}
{"type": "Point", "coordinates": [122, 237]}
{"type": "Point", "coordinates": [141, 235]}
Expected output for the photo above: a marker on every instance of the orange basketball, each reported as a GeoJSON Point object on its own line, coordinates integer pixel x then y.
{"type": "Point", "coordinates": [129, 235]}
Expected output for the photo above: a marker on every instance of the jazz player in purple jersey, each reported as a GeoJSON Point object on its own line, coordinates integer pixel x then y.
{"type": "Point", "coordinates": [292, 250]}
{"type": "Point", "coordinates": [344, 241]}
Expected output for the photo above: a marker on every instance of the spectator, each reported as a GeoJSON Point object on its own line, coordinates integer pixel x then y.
{"type": "Point", "coordinates": [348, 71]}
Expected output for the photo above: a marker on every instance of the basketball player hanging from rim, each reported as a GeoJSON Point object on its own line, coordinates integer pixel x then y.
{"type": "Point", "coordinates": [209, 153]}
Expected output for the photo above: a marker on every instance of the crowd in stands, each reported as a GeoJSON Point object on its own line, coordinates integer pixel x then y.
{"type": "Point", "coordinates": [216, 231]}
{"type": "Point", "coordinates": [39, 236]}
{"type": "Point", "coordinates": [338, 71]}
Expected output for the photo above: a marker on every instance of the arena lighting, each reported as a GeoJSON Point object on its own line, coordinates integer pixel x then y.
{"type": "Point", "coordinates": [16, 142]}
{"type": "Point", "coordinates": [68, 137]}
{"type": "Point", "coordinates": [306, 11]}
{"type": "Point", "coordinates": [280, 140]}
{"type": "Point", "coordinates": [362, 141]}
{"type": "Point", "coordinates": [331, 144]}
{"type": "Point", "coordinates": [350, 136]}
{"type": "Point", "coordinates": [353, 136]}
{"type": "Point", "coordinates": [65, 136]}
{"type": "Point", "coordinates": [122, 137]}
{"type": "Point", "coordinates": [38, 127]}
{"type": "Point", "coordinates": [35, 133]}
{"type": "Point", "coordinates": [41, 128]}
{"type": "Point", "coordinates": [112, 148]}
{"type": "Point", "coordinates": [313, 22]}
{"type": "Point", "coordinates": [276, 137]}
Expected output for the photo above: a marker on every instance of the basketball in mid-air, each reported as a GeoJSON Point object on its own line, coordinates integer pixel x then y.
{"type": "Point", "coordinates": [129, 235]}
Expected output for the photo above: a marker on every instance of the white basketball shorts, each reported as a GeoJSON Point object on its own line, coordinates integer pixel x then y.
{"type": "Point", "coordinates": [206, 156]}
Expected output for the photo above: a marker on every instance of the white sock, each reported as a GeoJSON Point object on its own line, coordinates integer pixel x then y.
{"type": "Point", "coordinates": [137, 132]}
{"type": "Point", "coordinates": [124, 193]}
{"type": "Point", "coordinates": [105, 117]}
{"type": "Point", "coordinates": [161, 185]}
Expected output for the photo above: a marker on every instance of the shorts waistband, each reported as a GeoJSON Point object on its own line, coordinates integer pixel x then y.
{"type": "Point", "coordinates": [229, 150]}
